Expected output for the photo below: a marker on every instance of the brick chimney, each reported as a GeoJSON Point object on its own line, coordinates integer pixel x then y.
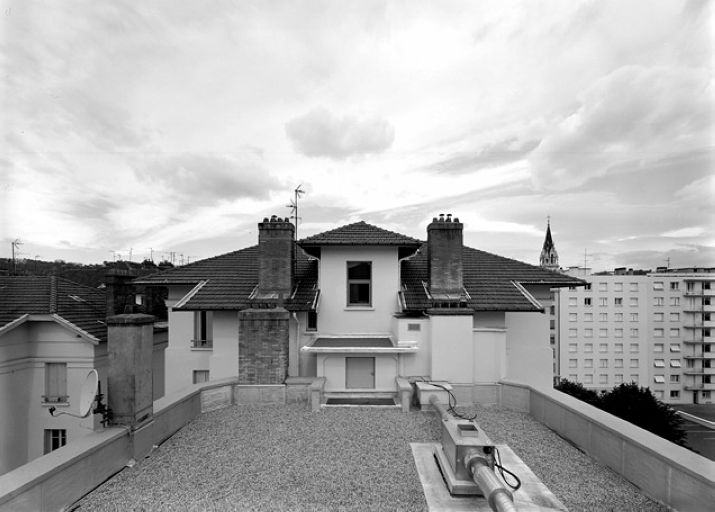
{"type": "Point", "coordinates": [444, 250]}
{"type": "Point", "coordinates": [120, 290]}
{"type": "Point", "coordinates": [276, 251]}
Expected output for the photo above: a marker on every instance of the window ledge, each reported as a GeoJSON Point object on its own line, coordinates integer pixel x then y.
{"type": "Point", "coordinates": [55, 404]}
{"type": "Point", "coordinates": [202, 349]}
{"type": "Point", "coordinates": [359, 308]}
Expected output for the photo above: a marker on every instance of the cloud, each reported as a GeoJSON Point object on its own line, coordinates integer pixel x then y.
{"type": "Point", "coordinates": [636, 115]}
{"type": "Point", "coordinates": [200, 179]}
{"type": "Point", "coordinates": [505, 151]}
{"type": "Point", "coordinates": [320, 133]}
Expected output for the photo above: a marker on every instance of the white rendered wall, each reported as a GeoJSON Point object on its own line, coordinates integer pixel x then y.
{"type": "Point", "coordinates": [452, 359]}
{"type": "Point", "coordinates": [181, 359]}
{"type": "Point", "coordinates": [528, 355]}
{"type": "Point", "coordinates": [223, 361]}
{"type": "Point", "coordinates": [416, 364]}
{"type": "Point", "coordinates": [332, 367]}
{"type": "Point", "coordinates": [335, 317]}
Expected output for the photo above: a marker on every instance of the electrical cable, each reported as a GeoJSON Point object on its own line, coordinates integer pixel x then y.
{"type": "Point", "coordinates": [452, 401]}
{"type": "Point", "coordinates": [502, 470]}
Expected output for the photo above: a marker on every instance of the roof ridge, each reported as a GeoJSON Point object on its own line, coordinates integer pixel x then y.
{"type": "Point", "coordinates": [53, 294]}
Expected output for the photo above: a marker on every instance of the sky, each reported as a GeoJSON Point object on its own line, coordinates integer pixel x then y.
{"type": "Point", "coordinates": [138, 129]}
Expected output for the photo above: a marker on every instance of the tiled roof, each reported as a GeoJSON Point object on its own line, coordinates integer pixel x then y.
{"type": "Point", "coordinates": [488, 278]}
{"type": "Point", "coordinates": [359, 233]}
{"type": "Point", "coordinates": [82, 306]}
{"type": "Point", "coordinates": [231, 278]}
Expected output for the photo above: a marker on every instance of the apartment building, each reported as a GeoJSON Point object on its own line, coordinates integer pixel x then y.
{"type": "Point", "coordinates": [651, 328]}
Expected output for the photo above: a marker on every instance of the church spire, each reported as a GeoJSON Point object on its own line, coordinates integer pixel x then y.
{"type": "Point", "coordinates": [549, 257]}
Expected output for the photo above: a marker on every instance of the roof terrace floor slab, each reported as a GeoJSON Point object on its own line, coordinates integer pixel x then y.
{"type": "Point", "coordinates": [265, 457]}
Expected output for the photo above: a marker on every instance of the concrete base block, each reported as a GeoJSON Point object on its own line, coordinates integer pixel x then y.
{"type": "Point", "coordinates": [298, 390]}
{"type": "Point", "coordinates": [143, 440]}
{"type": "Point", "coordinates": [259, 394]}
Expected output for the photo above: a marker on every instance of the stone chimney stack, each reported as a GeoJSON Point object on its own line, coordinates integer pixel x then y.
{"type": "Point", "coordinates": [444, 250]}
{"type": "Point", "coordinates": [120, 290]}
{"type": "Point", "coordinates": [276, 252]}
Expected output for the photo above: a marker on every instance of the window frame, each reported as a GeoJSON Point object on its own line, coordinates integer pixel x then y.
{"type": "Point", "coordinates": [357, 281]}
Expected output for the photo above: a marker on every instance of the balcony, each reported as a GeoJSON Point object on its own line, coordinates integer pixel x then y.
{"type": "Point", "coordinates": [700, 387]}
{"type": "Point", "coordinates": [202, 344]}
{"type": "Point", "coordinates": [699, 371]}
{"type": "Point", "coordinates": [704, 355]}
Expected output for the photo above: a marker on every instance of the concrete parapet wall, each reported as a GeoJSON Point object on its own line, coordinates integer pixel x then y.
{"type": "Point", "coordinates": [663, 470]}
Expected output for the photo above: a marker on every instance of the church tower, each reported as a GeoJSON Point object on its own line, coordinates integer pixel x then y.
{"type": "Point", "coordinates": [549, 257]}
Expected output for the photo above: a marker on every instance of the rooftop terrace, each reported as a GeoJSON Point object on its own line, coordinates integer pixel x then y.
{"type": "Point", "coordinates": [283, 457]}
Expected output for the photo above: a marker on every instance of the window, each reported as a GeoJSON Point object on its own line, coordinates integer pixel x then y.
{"type": "Point", "coordinates": [658, 347]}
{"type": "Point", "coordinates": [618, 348]}
{"type": "Point", "coordinates": [573, 301]}
{"type": "Point", "coordinates": [658, 393]}
{"type": "Point", "coordinates": [634, 378]}
{"type": "Point", "coordinates": [634, 332]}
{"type": "Point", "coordinates": [55, 383]}
{"type": "Point", "coordinates": [573, 377]}
{"type": "Point", "coordinates": [619, 317]}
{"type": "Point", "coordinates": [659, 363]}
{"type": "Point", "coordinates": [658, 285]}
{"type": "Point", "coordinates": [588, 317]}
{"type": "Point", "coordinates": [675, 317]}
{"type": "Point", "coordinates": [603, 348]}
{"type": "Point", "coordinates": [659, 379]}
{"type": "Point", "coordinates": [588, 363]}
{"type": "Point", "coordinates": [675, 301]}
{"type": "Point", "coordinates": [573, 363]}
{"type": "Point", "coordinates": [675, 347]}
{"type": "Point", "coordinates": [658, 301]}
{"type": "Point", "coordinates": [55, 438]}
{"type": "Point", "coordinates": [619, 333]}
{"type": "Point", "coordinates": [552, 310]}
{"type": "Point", "coordinates": [674, 286]}
{"type": "Point", "coordinates": [675, 394]}
{"type": "Point", "coordinates": [602, 287]}
{"type": "Point", "coordinates": [603, 317]}
{"type": "Point", "coordinates": [588, 378]}
{"type": "Point", "coordinates": [658, 317]}
{"type": "Point", "coordinates": [634, 317]}
{"type": "Point", "coordinates": [618, 378]}
{"type": "Point", "coordinates": [634, 363]}
{"type": "Point", "coordinates": [618, 363]}
{"type": "Point", "coordinates": [658, 333]}
{"type": "Point", "coordinates": [201, 376]}
{"type": "Point", "coordinates": [618, 287]}
{"type": "Point", "coordinates": [675, 379]}
{"type": "Point", "coordinates": [414, 327]}
{"type": "Point", "coordinates": [603, 301]}
{"type": "Point", "coordinates": [603, 378]}
{"type": "Point", "coordinates": [588, 333]}
{"type": "Point", "coordinates": [572, 348]}
{"type": "Point", "coordinates": [203, 330]}
{"type": "Point", "coordinates": [312, 324]}
{"type": "Point", "coordinates": [588, 348]}
{"type": "Point", "coordinates": [573, 317]}
{"type": "Point", "coordinates": [618, 301]}
{"type": "Point", "coordinates": [634, 348]}
{"type": "Point", "coordinates": [706, 395]}
{"type": "Point", "coordinates": [675, 363]}
{"type": "Point", "coordinates": [674, 332]}
{"type": "Point", "coordinates": [690, 287]}
{"type": "Point", "coordinates": [587, 301]}
{"type": "Point", "coordinates": [587, 287]}
{"type": "Point", "coordinates": [552, 339]}
{"type": "Point", "coordinates": [634, 287]}
{"type": "Point", "coordinates": [603, 363]}
{"type": "Point", "coordinates": [633, 301]}
{"type": "Point", "coordinates": [359, 283]}
{"type": "Point", "coordinates": [603, 333]}
{"type": "Point", "coordinates": [552, 324]}
{"type": "Point", "coordinates": [573, 333]}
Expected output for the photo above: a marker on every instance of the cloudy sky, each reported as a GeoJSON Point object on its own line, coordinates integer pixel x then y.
{"type": "Point", "coordinates": [177, 126]}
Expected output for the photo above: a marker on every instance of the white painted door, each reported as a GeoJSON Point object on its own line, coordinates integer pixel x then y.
{"type": "Point", "coordinates": [360, 372]}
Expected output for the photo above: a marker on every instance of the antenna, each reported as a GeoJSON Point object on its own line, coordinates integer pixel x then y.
{"type": "Point", "coordinates": [294, 207]}
{"type": "Point", "coordinates": [15, 244]}
{"type": "Point", "coordinates": [91, 392]}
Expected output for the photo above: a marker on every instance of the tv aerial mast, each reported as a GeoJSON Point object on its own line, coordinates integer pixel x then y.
{"type": "Point", "coordinates": [294, 207]}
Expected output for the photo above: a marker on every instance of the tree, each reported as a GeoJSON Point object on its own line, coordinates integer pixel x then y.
{"type": "Point", "coordinates": [640, 407]}
{"type": "Point", "coordinates": [577, 390]}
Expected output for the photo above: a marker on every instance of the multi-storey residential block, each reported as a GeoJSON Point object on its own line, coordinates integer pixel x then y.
{"type": "Point", "coordinates": [651, 328]}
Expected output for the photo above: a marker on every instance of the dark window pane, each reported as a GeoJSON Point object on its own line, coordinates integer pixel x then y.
{"type": "Point", "coordinates": [359, 293]}
{"type": "Point", "coordinates": [359, 270]}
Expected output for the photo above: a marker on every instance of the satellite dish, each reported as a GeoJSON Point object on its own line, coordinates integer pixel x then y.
{"type": "Point", "coordinates": [88, 394]}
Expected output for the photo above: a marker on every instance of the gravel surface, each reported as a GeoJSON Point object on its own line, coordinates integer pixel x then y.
{"type": "Point", "coordinates": [287, 458]}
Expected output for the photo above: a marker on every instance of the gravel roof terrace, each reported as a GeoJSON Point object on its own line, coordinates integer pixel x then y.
{"type": "Point", "coordinates": [265, 457]}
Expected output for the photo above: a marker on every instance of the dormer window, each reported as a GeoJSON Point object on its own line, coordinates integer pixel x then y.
{"type": "Point", "coordinates": [359, 283]}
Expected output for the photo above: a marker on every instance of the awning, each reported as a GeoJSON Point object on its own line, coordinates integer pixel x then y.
{"type": "Point", "coordinates": [358, 345]}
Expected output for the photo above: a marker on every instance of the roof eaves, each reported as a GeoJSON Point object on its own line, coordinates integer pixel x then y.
{"type": "Point", "coordinates": [15, 323]}
{"type": "Point", "coordinates": [186, 298]}
{"type": "Point", "coordinates": [66, 323]}
{"type": "Point", "coordinates": [528, 296]}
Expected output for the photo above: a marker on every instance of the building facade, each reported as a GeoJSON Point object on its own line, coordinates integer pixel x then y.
{"type": "Point", "coordinates": [651, 328]}
{"type": "Point", "coordinates": [359, 306]}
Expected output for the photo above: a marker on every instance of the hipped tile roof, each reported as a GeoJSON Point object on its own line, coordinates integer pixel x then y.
{"type": "Point", "coordinates": [82, 306]}
{"type": "Point", "coordinates": [229, 279]}
{"type": "Point", "coordinates": [359, 233]}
